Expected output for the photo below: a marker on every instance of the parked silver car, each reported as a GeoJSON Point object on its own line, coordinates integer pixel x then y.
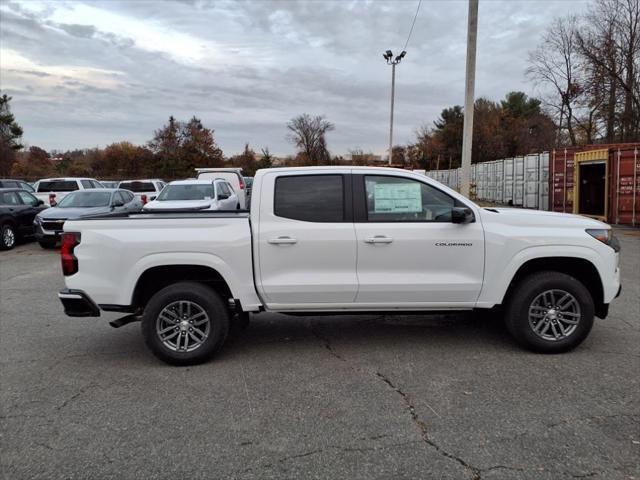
{"type": "Point", "coordinates": [48, 223]}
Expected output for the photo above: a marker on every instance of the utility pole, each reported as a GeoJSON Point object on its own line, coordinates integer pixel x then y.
{"type": "Point", "coordinates": [467, 132]}
{"type": "Point", "coordinates": [388, 56]}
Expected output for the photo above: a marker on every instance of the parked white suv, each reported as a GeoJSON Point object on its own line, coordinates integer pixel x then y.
{"type": "Point", "coordinates": [231, 175]}
{"type": "Point", "coordinates": [52, 190]}
{"type": "Point", "coordinates": [146, 189]}
{"type": "Point", "coordinates": [341, 240]}
{"type": "Point", "coordinates": [195, 194]}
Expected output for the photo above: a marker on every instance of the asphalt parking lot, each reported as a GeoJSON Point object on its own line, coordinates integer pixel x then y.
{"type": "Point", "coordinates": [324, 397]}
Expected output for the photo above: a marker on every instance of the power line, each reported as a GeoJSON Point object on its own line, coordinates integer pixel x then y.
{"type": "Point", "coordinates": [412, 24]}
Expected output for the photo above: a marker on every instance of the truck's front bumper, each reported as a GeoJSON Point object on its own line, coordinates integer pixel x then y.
{"type": "Point", "coordinates": [76, 303]}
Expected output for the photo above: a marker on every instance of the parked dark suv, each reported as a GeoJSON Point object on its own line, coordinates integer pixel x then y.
{"type": "Point", "coordinates": [18, 208]}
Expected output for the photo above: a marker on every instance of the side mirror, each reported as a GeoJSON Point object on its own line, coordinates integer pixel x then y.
{"type": "Point", "coordinates": [461, 215]}
{"type": "Point", "coordinates": [222, 196]}
{"type": "Point", "coordinates": [39, 203]}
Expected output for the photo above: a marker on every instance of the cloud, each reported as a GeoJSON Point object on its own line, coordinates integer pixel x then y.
{"type": "Point", "coordinates": [94, 72]}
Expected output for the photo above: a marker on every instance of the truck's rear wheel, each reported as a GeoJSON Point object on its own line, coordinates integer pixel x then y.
{"type": "Point", "coordinates": [550, 312]}
{"type": "Point", "coordinates": [185, 323]}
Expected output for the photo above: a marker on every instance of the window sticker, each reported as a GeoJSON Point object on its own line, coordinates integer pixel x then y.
{"type": "Point", "coordinates": [397, 198]}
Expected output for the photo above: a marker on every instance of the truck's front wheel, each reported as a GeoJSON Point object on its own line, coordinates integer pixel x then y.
{"type": "Point", "coordinates": [185, 323]}
{"type": "Point", "coordinates": [549, 312]}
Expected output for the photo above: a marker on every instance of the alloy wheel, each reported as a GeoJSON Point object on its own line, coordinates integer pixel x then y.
{"type": "Point", "coordinates": [554, 315]}
{"type": "Point", "coordinates": [183, 326]}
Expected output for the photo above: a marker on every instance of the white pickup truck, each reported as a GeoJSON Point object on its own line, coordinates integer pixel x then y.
{"type": "Point", "coordinates": [340, 240]}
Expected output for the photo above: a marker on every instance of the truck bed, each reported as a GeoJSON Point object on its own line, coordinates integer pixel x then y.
{"type": "Point", "coordinates": [117, 249]}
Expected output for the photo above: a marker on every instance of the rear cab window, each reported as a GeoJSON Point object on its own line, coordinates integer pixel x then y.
{"type": "Point", "coordinates": [139, 187]}
{"type": "Point", "coordinates": [58, 186]}
{"type": "Point", "coordinates": [310, 198]}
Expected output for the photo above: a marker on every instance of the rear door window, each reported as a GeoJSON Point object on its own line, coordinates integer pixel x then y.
{"type": "Point", "coordinates": [222, 186]}
{"type": "Point", "coordinates": [25, 186]}
{"type": "Point", "coordinates": [9, 198]}
{"type": "Point", "coordinates": [58, 186]}
{"type": "Point", "coordinates": [86, 184]}
{"type": "Point", "coordinates": [310, 198]}
{"type": "Point", "coordinates": [128, 196]}
{"type": "Point", "coordinates": [119, 197]}
{"type": "Point", "coordinates": [27, 198]}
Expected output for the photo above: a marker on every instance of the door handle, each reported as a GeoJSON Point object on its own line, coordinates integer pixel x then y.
{"type": "Point", "coordinates": [282, 241]}
{"type": "Point", "coordinates": [378, 239]}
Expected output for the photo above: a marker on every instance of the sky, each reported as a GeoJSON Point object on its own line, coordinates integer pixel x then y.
{"type": "Point", "coordinates": [89, 73]}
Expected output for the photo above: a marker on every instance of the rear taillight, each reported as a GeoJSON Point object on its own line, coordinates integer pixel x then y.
{"type": "Point", "coordinates": [52, 199]}
{"type": "Point", "coordinates": [144, 200]}
{"type": "Point", "coordinates": [69, 261]}
{"type": "Point", "coordinates": [241, 183]}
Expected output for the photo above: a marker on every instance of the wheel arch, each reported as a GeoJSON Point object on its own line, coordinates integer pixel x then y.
{"type": "Point", "coordinates": [155, 278]}
{"type": "Point", "coordinates": [580, 268]}
{"type": "Point", "coordinates": [7, 219]}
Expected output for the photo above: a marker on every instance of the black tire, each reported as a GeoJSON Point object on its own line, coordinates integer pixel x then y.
{"type": "Point", "coordinates": [203, 297]}
{"type": "Point", "coordinates": [238, 206]}
{"type": "Point", "coordinates": [8, 236]}
{"type": "Point", "coordinates": [47, 244]}
{"type": "Point", "coordinates": [522, 298]}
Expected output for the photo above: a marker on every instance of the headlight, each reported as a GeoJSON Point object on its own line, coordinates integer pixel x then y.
{"type": "Point", "coordinates": [37, 220]}
{"type": "Point", "coordinates": [605, 235]}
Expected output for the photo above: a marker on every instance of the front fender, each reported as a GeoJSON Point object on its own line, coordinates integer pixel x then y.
{"type": "Point", "coordinates": [499, 277]}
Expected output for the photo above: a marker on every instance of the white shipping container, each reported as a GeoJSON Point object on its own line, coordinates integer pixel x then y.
{"type": "Point", "coordinates": [509, 180]}
{"type": "Point", "coordinates": [500, 181]}
{"type": "Point", "coordinates": [518, 184]}
{"type": "Point", "coordinates": [531, 181]}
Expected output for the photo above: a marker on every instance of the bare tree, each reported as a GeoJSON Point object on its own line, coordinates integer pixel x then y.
{"type": "Point", "coordinates": [610, 44]}
{"type": "Point", "coordinates": [555, 63]}
{"type": "Point", "coordinates": [308, 134]}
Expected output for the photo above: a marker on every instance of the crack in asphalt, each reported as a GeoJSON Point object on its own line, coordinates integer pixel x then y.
{"type": "Point", "coordinates": [75, 396]}
{"type": "Point", "coordinates": [422, 427]}
{"type": "Point", "coordinates": [474, 471]}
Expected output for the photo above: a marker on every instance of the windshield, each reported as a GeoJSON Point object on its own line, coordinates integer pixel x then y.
{"type": "Point", "coordinates": [186, 192]}
{"type": "Point", "coordinates": [85, 199]}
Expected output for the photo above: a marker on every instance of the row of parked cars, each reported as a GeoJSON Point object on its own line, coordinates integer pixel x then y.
{"type": "Point", "coordinates": [40, 210]}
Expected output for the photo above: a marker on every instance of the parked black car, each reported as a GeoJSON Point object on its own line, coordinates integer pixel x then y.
{"type": "Point", "coordinates": [18, 208]}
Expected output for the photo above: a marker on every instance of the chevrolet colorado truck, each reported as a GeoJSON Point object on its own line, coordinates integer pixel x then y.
{"type": "Point", "coordinates": [340, 240]}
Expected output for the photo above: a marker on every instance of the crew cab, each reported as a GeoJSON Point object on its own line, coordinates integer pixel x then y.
{"type": "Point", "coordinates": [340, 240]}
{"type": "Point", "coordinates": [52, 190]}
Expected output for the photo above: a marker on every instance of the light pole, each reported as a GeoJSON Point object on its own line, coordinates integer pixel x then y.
{"type": "Point", "coordinates": [388, 56]}
{"type": "Point", "coordinates": [467, 129]}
